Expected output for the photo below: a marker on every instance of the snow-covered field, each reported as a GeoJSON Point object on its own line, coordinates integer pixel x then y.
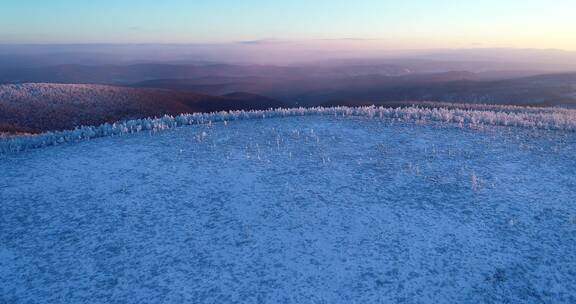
{"type": "Point", "coordinates": [359, 208]}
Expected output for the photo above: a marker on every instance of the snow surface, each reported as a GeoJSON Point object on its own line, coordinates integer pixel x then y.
{"type": "Point", "coordinates": [298, 209]}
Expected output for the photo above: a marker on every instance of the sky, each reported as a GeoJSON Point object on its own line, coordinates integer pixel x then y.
{"type": "Point", "coordinates": [408, 24]}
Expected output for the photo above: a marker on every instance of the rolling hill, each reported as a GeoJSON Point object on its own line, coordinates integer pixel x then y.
{"type": "Point", "coordinates": [541, 90]}
{"type": "Point", "coordinates": [455, 86]}
{"type": "Point", "coordinates": [37, 107]}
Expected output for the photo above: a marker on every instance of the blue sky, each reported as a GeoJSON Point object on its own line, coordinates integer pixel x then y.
{"type": "Point", "coordinates": [416, 23]}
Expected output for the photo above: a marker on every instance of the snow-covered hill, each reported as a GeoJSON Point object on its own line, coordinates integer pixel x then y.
{"type": "Point", "coordinates": [37, 107]}
{"type": "Point", "coordinates": [362, 205]}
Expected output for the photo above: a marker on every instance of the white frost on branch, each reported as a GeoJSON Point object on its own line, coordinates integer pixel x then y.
{"type": "Point", "coordinates": [462, 114]}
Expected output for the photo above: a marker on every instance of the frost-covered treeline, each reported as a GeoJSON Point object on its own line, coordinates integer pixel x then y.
{"type": "Point", "coordinates": [489, 107]}
{"type": "Point", "coordinates": [38, 107]}
{"type": "Point", "coordinates": [463, 115]}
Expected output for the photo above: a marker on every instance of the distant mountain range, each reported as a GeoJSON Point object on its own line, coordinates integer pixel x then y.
{"type": "Point", "coordinates": [33, 108]}
{"type": "Point", "coordinates": [224, 73]}
{"type": "Point", "coordinates": [129, 74]}
{"type": "Point", "coordinates": [322, 83]}
{"type": "Point", "coordinates": [37, 107]}
{"type": "Point", "coordinates": [544, 90]}
{"type": "Point", "coordinates": [51, 91]}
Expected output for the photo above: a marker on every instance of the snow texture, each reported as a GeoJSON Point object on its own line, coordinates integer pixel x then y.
{"type": "Point", "coordinates": [354, 206]}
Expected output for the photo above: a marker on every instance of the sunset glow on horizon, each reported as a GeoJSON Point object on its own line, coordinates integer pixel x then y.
{"type": "Point", "coordinates": [380, 23]}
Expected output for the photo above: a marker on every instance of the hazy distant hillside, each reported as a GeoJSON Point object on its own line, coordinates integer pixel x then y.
{"type": "Point", "coordinates": [543, 90]}
{"type": "Point", "coordinates": [286, 53]}
{"type": "Point", "coordinates": [362, 80]}
{"type": "Point", "coordinates": [42, 107]}
{"type": "Point", "coordinates": [456, 86]}
{"type": "Point", "coordinates": [223, 73]}
{"type": "Point", "coordinates": [127, 74]}
{"type": "Point", "coordinates": [305, 91]}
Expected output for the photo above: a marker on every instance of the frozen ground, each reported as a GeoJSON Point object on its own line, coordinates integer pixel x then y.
{"type": "Point", "coordinates": [303, 209]}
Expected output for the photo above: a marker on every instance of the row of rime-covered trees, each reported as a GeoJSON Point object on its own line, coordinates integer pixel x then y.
{"type": "Point", "coordinates": [463, 115]}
